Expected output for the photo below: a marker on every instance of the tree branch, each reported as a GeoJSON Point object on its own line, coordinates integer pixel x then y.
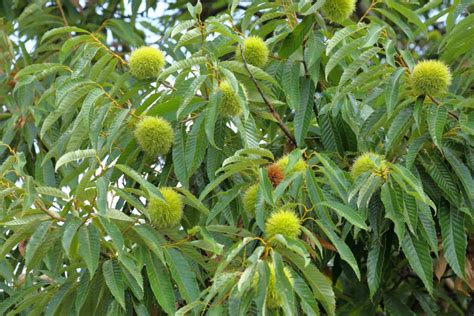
{"type": "Point", "coordinates": [270, 106]}
{"type": "Point", "coordinates": [438, 104]}
{"type": "Point", "coordinates": [60, 6]}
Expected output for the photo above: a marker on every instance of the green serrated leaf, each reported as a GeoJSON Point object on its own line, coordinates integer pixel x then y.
{"type": "Point", "coordinates": [399, 127]}
{"type": "Point", "coordinates": [182, 64]}
{"type": "Point", "coordinates": [454, 239]}
{"type": "Point", "coordinates": [341, 53]}
{"type": "Point", "coordinates": [341, 35]}
{"type": "Point", "coordinates": [342, 248]}
{"type": "Point", "coordinates": [363, 59]}
{"type": "Point", "coordinates": [348, 213]}
{"type": "Point", "coordinates": [182, 274]}
{"type": "Point", "coordinates": [114, 280]}
{"type": "Point", "coordinates": [89, 247]}
{"type": "Point", "coordinates": [437, 119]}
{"type": "Point", "coordinates": [150, 188]}
{"type": "Point", "coordinates": [392, 89]}
{"type": "Point", "coordinates": [256, 72]}
{"type": "Point", "coordinates": [62, 30]}
{"type": "Point", "coordinates": [36, 241]}
{"type": "Point", "coordinates": [75, 155]}
{"type": "Point", "coordinates": [418, 255]}
{"type": "Point", "coordinates": [160, 283]}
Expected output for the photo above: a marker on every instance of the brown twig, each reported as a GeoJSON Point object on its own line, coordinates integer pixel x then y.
{"type": "Point", "coordinates": [122, 61]}
{"type": "Point", "coordinates": [438, 104]}
{"type": "Point", "coordinates": [292, 19]}
{"type": "Point", "coordinates": [50, 213]}
{"type": "Point", "coordinates": [58, 3]}
{"type": "Point", "coordinates": [270, 106]}
{"type": "Point", "coordinates": [168, 85]}
{"type": "Point", "coordinates": [374, 2]}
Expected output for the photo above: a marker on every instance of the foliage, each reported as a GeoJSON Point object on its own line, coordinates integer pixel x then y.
{"type": "Point", "coordinates": [82, 204]}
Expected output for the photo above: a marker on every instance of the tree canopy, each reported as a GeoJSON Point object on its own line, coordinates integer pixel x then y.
{"type": "Point", "coordinates": [236, 157]}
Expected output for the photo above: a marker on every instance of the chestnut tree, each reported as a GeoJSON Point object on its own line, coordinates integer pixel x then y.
{"type": "Point", "coordinates": [236, 157]}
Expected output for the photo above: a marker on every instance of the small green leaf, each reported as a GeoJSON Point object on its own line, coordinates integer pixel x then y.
{"type": "Point", "coordinates": [342, 248]}
{"type": "Point", "coordinates": [257, 73]}
{"type": "Point", "coordinates": [61, 30]}
{"type": "Point", "coordinates": [341, 53]}
{"type": "Point", "coordinates": [75, 155]}
{"type": "Point", "coordinates": [182, 64]}
{"type": "Point", "coordinates": [399, 127]}
{"type": "Point", "coordinates": [304, 112]}
{"type": "Point", "coordinates": [151, 239]}
{"type": "Point", "coordinates": [436, 121]}
{"type": "Point", "coordinates": [363, 59]}
{"type": "Point", "coordinates": [341, 35]}
{"type": "Point", "coordinates": [393, 210]}
{"type": "Point", "coordinates": [179, 157]}
{"type": "Point", "coordinates": [70, 230]}
{"type": "Point", "coordinates": [211, 117]}
{"type": "Point", "coordinates": [41, 70]}
{"type": "Point", "coordinates": [392, 90]}
{"type": "Point", "coordinates": [462, 172]}
{"type": "Point", "coordinates": [294, 40]}
{"type": "Point", "coordinates": [52, 192]}
{"type": "Point", "coordinates": [348, 213]}
{"type": "Point", "coordinates": [150, 188]}
{"type": "Point", "coordinates": [319, 283]}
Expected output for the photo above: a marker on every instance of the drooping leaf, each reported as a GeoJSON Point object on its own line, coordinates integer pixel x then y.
{"type": "Point", "coordinates": [454, 239]}
{"type": "Point", "coordinates": [392, 90]}
{"type": "Point", "coordinates": [89, 247]}
{"type": "Point", "coordinates": [418, 255]}
{"type": "Point", "coordinates": [348, 213]}
{"type": "Point", "coordinates": [75, 155]}
{"type": "Point", "coordinates": [114, 280]}
{"type": "Point", "coordinates": [436, 122]}
{"type": "Point", "coordinates": [160, 283]}
{"type": "Point", "coordinates": [183, 275]}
